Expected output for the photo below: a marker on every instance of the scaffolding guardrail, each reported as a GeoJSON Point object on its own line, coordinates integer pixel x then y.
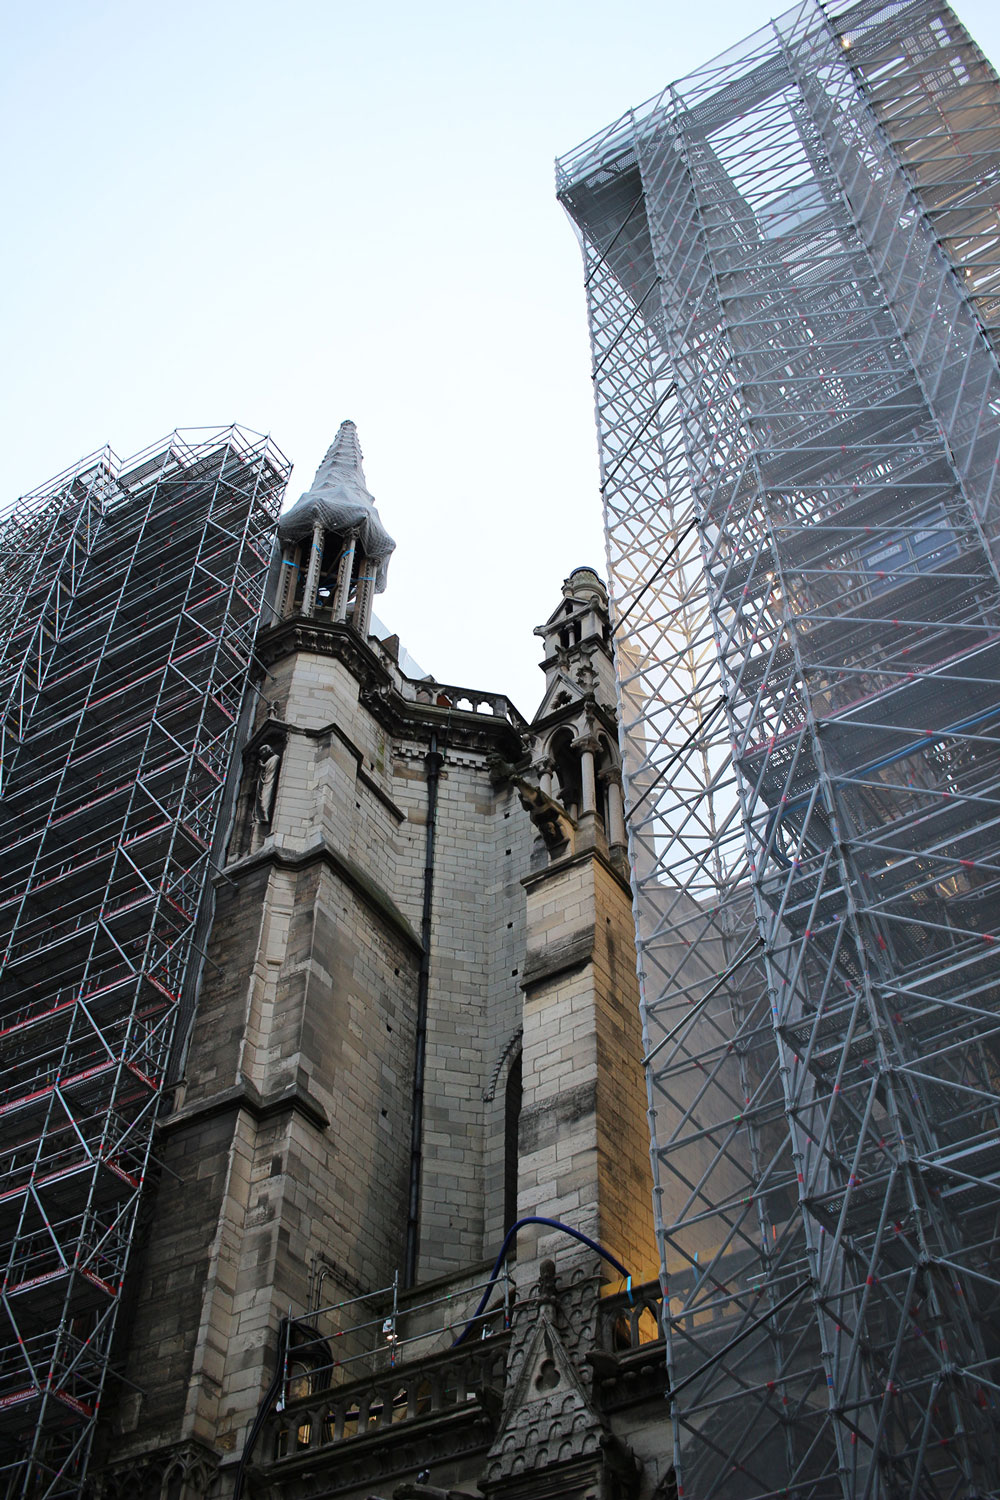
{"type": "Point", "coordinates": [129, 598]}
{"type": "Point", "coordinates": [791, 262]}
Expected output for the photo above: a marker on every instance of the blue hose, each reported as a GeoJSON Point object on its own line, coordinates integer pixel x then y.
{"type": "Point", "coordinates": [575, 1234]}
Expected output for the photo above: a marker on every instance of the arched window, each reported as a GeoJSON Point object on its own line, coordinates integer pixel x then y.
{"type": "Point", "coordinates": [567, 763]}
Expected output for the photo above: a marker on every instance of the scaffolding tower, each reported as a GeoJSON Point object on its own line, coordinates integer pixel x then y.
{"type": "Point", "coordinates": [129, 599]}
{"type": "Point", "coordinates": [792, 263]}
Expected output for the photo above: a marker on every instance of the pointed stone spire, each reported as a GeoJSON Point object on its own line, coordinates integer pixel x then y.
{"type": "Point", "coordinates": [342, 468]}
{"type": "Point", "coordinates": [340, 501]}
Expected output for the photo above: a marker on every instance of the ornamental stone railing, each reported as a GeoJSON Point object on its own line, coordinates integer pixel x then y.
{"type": "Point", "coordinates": [463, 700]}
{"type": "Point", "coordinates": [466, 1381]}
{"type": "Point", "coordinates": [626, 1323]}
{"type": "Point", "coordinates": [457, 1380]}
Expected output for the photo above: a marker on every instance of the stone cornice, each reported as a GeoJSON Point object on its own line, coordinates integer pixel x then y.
{"type": "Point", "coordinates": [543, 965]}
{"type": "Point", "coordinates": [282, 729]}
{"type": "Point", "coordinates": [296, 1099]}
{"type": "Point", "coordinates": [632, 1377]}
{"type": "Point", "coordinates": [458, 729]}
{"type": "Point", "coordinates": [374, 897]}
{"type": "Point", "coordinates": [559, 866]}
{"type": "Point", "coordinates": [378, 690]}
{"type": "Point", "coordinates": [322, 638]}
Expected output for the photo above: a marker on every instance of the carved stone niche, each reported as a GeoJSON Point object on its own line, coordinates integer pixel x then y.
{"type": "Point", "coordinates": [258, 787]}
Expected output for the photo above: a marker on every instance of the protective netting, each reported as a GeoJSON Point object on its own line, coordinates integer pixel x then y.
{"type": "Point", "coordinates": [339, 500]}
{"type": "Point", "coordinates": [792, 262]}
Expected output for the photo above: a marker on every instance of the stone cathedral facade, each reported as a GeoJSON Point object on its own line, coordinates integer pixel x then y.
{"type": "Point", "coordinates": [417, 1025]}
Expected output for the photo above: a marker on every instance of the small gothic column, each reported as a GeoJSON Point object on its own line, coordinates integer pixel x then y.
{"type": "Point", "coordinates": [545, 769]}
{"type": "Point", "coordinates": [339, 494]}
{"type": "Point", "coordinates": [616, 808]}
{"type": "Point", "coordinates": [289, 578]}
{"type": "Point", "coordinates": [363, 595]}
{"type": "Point", "coordinates": [344, 570]}
{"type": "Point", "coordinates": [315, 563]}
{"type": "Point", "coordinates": [588, 785]}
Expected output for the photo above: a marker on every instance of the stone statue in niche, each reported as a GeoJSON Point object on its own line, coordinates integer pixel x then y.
{"type": "Point", "coordinates": [268, 764]}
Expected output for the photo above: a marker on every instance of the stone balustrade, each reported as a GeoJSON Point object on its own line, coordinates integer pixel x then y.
{"type": "Point", "coordinates": [452, 1380]}
{"type": "Point", "coordinates": [463, 700]}
{"type": "Point", "coordinates": [629, 1323]}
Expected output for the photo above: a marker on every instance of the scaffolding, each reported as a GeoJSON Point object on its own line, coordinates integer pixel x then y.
{"type": "Point", "coordinates": [129, 599]}
{"type": "Point", "coordinates": [792, 263]}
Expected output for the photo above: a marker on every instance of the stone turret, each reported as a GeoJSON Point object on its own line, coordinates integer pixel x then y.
{"type": "Point", "coordinates": [335, 550]}
{"type": "Point", "coordinates": [575, 746]}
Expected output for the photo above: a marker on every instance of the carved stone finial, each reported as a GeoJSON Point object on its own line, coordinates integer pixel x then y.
{"type": "Point", "coordinates": [547, 1290]}
{"type": "Point", "coordinates": [547, 1411]}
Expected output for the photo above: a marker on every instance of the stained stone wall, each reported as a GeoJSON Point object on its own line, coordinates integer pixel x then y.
{"type": "Point", "coordinates": [584, 1156]}
{"type": "Point", "coordinates": [481, 842]}
{"type": "Point", "coordinates": [289, 1144]}
{"type": "Point", "coordinates": [287, 1156]}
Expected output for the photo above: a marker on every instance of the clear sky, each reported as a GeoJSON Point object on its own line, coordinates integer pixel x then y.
{"type": "Point", "coordinates": [288, 214]}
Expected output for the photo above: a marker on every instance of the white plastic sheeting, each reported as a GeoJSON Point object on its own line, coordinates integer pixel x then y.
{"type": "Point", "coordinates": [340, 500]}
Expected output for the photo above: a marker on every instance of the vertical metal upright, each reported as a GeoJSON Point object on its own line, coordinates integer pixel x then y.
{"type": "Point", "coordinates": [792, 263]}
{"type": "Point", "coordinates": [129, 599]}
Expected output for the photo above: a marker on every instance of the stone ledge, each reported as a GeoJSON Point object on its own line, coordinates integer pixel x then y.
{"type": "Point", "coordinates": [246, 1096]}
{"type": "Point", "coordinates": [324, 732]}
{"type": "Point", "coordinates": [378, 692]}
{"type": "Point", "coordinates": [632, 1377]}
{"type": "Point", "coordinates": [569, 861]}
{"type": "Point", "coordinates": [373, 895]}
{"type": "Point", "coordinates": [564, 957]}
{"type": "Point", "coordinates": [542, 1124]}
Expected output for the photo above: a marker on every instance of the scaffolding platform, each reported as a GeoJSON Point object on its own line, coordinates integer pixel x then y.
{"type": "Point", "coordinates": [129, 599]}
{"type": "Point", "coordinates": [792, 265]}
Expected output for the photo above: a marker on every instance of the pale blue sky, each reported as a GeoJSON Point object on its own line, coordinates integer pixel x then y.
{"type": "Point", "coordinates": [289, 214]}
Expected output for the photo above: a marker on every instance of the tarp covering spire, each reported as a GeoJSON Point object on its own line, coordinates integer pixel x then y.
{"type": "Point", "coordinates": [340, 499]}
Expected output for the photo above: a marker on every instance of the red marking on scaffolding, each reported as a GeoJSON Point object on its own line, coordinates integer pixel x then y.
{"type": "Point", "coordinates": [171, 996]}
{"type": "Point", "coordinates": [99, 1282]}
{"type": "Point", "coordinates": [17, 1398]}
{"type": "Point", "coordinates": [129, 1177]}
{"type": "Point", "coordinates": [42, 1015]}
{"type": "Point", "coordinates": [73, 1403]}
{"type": "Point", "coordinates": [23, 1286]}
{"type": "Point", "coordinates": [98, 1070]}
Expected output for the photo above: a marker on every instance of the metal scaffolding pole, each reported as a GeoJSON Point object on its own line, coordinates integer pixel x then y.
{"type": "Point", "coordinates": [792, 263]}
{"type": "Point", "coordinates": [130, 598]}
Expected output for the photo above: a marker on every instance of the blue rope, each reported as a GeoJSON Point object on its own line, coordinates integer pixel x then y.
{"type": "Point", "coordinates": [575, 1234]}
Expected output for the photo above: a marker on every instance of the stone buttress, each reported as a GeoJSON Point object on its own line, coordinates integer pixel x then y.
{"type": "Point", "coordinates": [417, 1020]}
